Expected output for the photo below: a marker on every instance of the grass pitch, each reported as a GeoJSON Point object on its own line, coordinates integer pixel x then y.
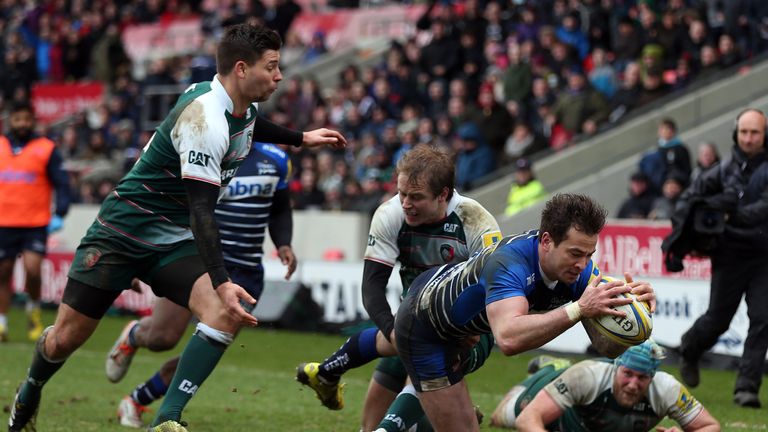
{"type": "Point", "coordinates": [253, 387]}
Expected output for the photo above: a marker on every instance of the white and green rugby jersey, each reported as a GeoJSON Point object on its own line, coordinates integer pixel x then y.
{"type": "Point", "coordinates": [200, 139]}
{"type": "Point", "coordinates": [467, 228]}
{"type": "Point", "coordinates": [587, 389]}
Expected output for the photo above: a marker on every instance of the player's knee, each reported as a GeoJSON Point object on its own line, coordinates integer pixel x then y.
{"type": "Point", "coordinates": [60, 345]}
{"type": "Point", "coordinates": [214, 335]}
{"type": "Point", "coordinates": [160, 341]}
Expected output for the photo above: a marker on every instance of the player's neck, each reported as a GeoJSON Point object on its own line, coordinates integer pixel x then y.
{"type": "Point", "coordinates": [239, 102]}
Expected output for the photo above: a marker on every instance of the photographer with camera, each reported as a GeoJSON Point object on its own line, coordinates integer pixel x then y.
{"type": "Point", "coordinates": [726, 218]}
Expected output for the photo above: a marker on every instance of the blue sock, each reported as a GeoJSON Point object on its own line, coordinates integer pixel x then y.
{"type": "Point", "coordinates": [358, 350]}
{"type": "Point", "coordinates": [132, 336]}
{"type": "Point", "coordinates": [150, 391]}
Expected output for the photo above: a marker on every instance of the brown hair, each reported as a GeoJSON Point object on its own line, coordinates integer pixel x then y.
{"type": "Point", "coordinates": [564, 211]}
{"type": "Point", "coordinates": [244, 42]}
{"type": "Point", "coordinates": [430, 164]}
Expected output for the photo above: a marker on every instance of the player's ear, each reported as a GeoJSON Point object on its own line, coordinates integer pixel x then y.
{"type": "Point", "coordinates": [444, 194]}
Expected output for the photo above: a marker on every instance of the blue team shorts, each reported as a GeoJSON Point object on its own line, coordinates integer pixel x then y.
{"type": "Point", "coordinates": [432, 362]}
{"type": "Point", "coordinates": [14, 241]}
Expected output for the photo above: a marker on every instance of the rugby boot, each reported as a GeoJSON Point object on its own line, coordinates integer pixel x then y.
{"type": "Point", "coordinates": [120, 356]}
{"type": "Point", "coordinates": [330, 393]}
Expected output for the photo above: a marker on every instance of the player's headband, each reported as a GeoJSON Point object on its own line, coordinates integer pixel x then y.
{"type": "Point", "coordinates": [644, 358]}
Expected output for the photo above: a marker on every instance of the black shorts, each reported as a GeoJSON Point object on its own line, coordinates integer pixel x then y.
{"type": "Point", "coordinates": [13, 241]}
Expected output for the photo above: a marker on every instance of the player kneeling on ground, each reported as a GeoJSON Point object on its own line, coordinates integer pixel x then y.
{"type": "Point", "coordinates": [627, 394]}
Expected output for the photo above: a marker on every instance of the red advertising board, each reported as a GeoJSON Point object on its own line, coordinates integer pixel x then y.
{"type": "Point", "coordinates": [56, 101]}
{"type": "Point", "coordinates": [54, 279]}
{"type": "Point", "coordinates": [636, 248]}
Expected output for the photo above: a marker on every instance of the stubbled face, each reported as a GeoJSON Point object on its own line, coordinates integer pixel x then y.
{"type": "Point", "coordinates": [21, 124]}
{"type": "Point", "coordinates": [420, 206]}
{"type": "Point", "coordinates": [750, 133]}
{"type": "Point", "coordinates": [261, 78]}
{"type": "Point", "coordinates": [565, 261]}
{"type": "Point", "coordinates": [629, 386]}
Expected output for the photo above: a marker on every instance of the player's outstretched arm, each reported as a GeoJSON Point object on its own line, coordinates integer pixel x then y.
{"type": "Point", "coordinates": [517, 331]}
{"type": "Point", "coordinates": [540, 412]}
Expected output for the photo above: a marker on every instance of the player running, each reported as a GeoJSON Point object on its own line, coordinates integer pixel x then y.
{"type": "Point", "coordinates": [256, 198]}
{"type": "Point", "coordinates": [159, 225]}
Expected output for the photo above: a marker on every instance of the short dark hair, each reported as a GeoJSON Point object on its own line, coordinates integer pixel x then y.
{"type": "Point", "coordinates": [668, 122]}
{"type": "Point", "coordinates": [564, 211]}
{"type": "Point", "coordinates": [430, 164]}
{"type": "Point", "coordinates": [244, 42]}
{"type": "Point", "coordinates": [22, 105]}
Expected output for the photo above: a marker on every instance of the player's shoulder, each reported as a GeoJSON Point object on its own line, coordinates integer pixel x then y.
{"type": "Point", "coordinates": [591, 372]}
{"type": "Point", "coordinates": [663, 382]}
{"type": "Point", "coordinates": [271, 150]}
{"type": "Point", "coordinates": [389, 213]}
{"type": "Point", "coordinates": [471, 213]}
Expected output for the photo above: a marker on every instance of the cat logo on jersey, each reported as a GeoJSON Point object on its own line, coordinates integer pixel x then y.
{"type": "Point", "coordinates": [447, 252]}
{"type": "Point", "coordinates": [371, 240]}
{"type": "Point", "coordinates": [198, 158]}
{"type": "Point", "coordinates": [490, 238]}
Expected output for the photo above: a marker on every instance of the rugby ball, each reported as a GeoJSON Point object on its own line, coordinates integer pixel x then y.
{"type": "Point", "coordinates": [628, 331]}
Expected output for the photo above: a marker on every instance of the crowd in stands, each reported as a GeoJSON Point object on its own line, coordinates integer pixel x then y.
{"type": "Point", "coordinates": [662, 175]}
{"type": "Point", "coordinates": [491, 81]}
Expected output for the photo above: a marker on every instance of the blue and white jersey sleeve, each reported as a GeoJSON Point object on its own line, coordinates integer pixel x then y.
{"type": "Point", "coordinates": [506, 275]}
{"type": "Point", "coordinates": [282, 161]}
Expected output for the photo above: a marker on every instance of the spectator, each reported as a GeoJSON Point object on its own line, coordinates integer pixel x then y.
{"type": "Point", "coordinates": [309, 197]}
{"type": "Point", "coordinates": [440, 57]}
{"type": "Point", "coordinates": [626, 44]}
{"type": "Point", "coordinates": [316, 48]}
{"type": "Point", "coordinates": [517, 77]}
{"type": "Point", "coordinates": [640, 201]}
{"type": "Point", "coordinates": [653, 87]}
{"type": "Point", "coordinates": [570, 34]}
{"type": "Point", "coordinates": [629, 91]}
{"type": "Point", "coordinates": [664, 206]}
{"type": "Point", "coordinates": [526, 191]}
{"type": "Point", "coordinates": [523, 142]}
{"type": "Point", "coordinates": [738, 259]}
{"type": "Point", "coordinates": [729, 53]}
{"type": "Point", "coordinates": [474, 158]}
{"type": "Point", "coordinates": [602, 76]}
{"type": "Point", "coordinates": [494, 120]}
{"type": "Point", "coordinates": [670, 156]}
{"type": "Point", "coordinates": [707, 156]}
{"type": "Point", "coordinates": [579, 108]}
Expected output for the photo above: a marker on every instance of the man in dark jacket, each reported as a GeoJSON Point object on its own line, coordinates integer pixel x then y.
{"type": "Point", "coordinates": [739, 262]}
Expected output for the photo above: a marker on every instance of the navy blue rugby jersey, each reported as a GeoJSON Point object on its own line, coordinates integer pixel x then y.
{"type": "Point", "coordinates": [454, 300]}
{"type": "Point", "coordinates": [243, 209]}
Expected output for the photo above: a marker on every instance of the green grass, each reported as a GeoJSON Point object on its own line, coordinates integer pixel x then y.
{"type": "Point", "coordinates": [253, 387]}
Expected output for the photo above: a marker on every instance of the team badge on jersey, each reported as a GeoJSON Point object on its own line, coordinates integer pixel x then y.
{"type": "Point", "coordinates": [92, 256]}
{"type": "Point", "coordinates": [447, 252]}
{"type": "Point", "coordinates": [490, 238]}
{"type": "Point", "coordinates": [685, 400]}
